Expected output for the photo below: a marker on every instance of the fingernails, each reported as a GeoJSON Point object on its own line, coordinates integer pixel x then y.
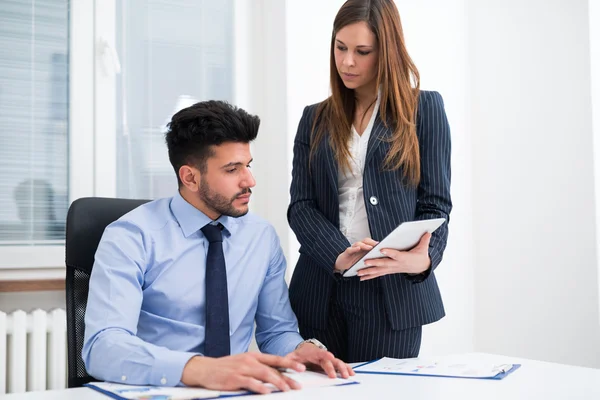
{"type": "Point", "coordinates": [384, 252]}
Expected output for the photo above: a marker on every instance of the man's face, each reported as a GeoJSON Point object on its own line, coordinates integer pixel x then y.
{"type": "Point", "coordinates": [225, 186]}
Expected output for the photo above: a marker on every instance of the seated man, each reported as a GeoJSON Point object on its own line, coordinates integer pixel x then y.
{"type": "Point", "coordinates": [178, 283]}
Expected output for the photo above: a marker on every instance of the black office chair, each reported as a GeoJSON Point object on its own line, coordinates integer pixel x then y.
{"type": "Point", "coordinates": [86, 220]}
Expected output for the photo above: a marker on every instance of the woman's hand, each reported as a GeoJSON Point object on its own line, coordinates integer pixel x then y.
{"type": "Point", "coordinates": [354, 253]}
{"type": "Point", "coordinates": [414, 261]}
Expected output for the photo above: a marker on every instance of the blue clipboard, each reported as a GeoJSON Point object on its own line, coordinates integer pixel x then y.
{"type": "Point", "coordinates": [497, 377]}
{"type": "Point", "coordinates": [158, 397]}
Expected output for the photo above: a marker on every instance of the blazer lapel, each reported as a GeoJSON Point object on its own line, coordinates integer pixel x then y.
{"type": "Point", "coordinates": [331, 166]}
{"type": "Point", "coordinates": [379, 133]}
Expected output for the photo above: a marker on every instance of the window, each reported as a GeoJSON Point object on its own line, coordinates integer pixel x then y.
{"type": "Point", "coordinates": [169, 54]}
{"type": "Point", "coordinates": [86, 89]}
{"type": "Point", "coordinates": [33, 122]}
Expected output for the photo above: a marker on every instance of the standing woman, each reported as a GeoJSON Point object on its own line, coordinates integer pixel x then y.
{"type": "Point", "coordinates": [374, 154]}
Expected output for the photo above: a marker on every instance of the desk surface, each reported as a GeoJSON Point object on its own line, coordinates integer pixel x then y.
{"type": "Point", "coordinates": [534, 380]}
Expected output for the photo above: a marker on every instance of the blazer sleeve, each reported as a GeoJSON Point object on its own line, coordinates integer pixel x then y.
{"type": "Point", "coordinates": [433, 195]}
{"type": "Point", "coordinates": [318, 236]}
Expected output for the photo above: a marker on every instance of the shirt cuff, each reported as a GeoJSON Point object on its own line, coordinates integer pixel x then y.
{"type": "Point", "coordinates": [291, 344]}
{"type": "Point", "coordinates": [168, 369]}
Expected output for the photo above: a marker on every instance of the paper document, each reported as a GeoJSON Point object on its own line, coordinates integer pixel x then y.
{"type": "Point", "coordinates": [310, 379]}
{"type": "Point", "coordinates": [448, 367]}
{"type": "Point", "coordinates": [307, 379]}
{"type": "Point", "coordinates": [119, 391]}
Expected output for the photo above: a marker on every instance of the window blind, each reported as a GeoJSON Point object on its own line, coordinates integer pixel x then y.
{"type": "Point", "coordinates": [34, 37]}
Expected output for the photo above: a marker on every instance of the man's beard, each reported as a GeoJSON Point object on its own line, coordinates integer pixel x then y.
{"type": "Point", "coordinates": [220, 203]}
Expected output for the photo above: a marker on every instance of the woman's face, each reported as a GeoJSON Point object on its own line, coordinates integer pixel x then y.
{"type": "Point", "coordinates": [356, 56]}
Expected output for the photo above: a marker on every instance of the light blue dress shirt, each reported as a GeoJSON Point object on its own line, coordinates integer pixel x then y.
{"type": "Point", "coordinates": [145, 314]}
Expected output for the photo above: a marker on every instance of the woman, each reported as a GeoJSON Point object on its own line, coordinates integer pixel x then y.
{"type": "Point", "coordinates": [374, 154]}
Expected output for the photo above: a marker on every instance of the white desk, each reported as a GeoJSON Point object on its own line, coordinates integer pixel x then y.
{"type": "Point", "coordinates": [534, 380]}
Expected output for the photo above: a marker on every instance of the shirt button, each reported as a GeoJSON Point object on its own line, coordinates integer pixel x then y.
{"type": "Point", "coordinates": [374, 200]}
{"type": "Point", "coordinates": [123, 378]}
{"type": "Point", "coordinates": [163, 381]}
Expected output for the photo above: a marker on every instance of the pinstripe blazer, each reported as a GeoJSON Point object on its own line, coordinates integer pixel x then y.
{"type": "Point", "coordinates": [313, 215]}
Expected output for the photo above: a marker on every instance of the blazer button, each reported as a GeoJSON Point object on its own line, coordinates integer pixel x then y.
{"type": "Point", "coordinates": [374, 200]}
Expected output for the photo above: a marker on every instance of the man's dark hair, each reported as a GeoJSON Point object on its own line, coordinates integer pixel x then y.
{"type": "Point", "coordinates": [193, 130]}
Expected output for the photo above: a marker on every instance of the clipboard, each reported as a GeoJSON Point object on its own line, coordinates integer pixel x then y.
{"type": "Point", "coordinates": [426, 369]}
{"type": "Point", "coordinates": [406, 236]}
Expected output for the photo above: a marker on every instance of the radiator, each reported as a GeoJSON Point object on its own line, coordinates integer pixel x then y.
{"type": "Point", "coordinates": [33, 353]}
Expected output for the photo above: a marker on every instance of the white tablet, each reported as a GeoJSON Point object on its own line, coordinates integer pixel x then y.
{"type": "Point", "coordinates": [404, 237]}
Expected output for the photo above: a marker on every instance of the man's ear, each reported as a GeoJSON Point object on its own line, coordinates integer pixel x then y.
{"type": "Point", "coordinates": [190, 177]}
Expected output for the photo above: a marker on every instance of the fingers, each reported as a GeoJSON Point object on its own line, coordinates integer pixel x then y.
{"type": "Point", "coordinates": [258, 371]}
{"type": "Point", "coordinates": [373, 276]}
{"type": "Point", "coordinates": [370, 241]}
{"type": "Point", "coordinates": [269, 375]}
{"type": "Point", "coordinates": [373, 272]}
{"type": "Point", "coordinates": [280, 362]}
{"type": "Point", "coordinates": [352, 250]}
{"type": "Point", "coordinates": [344, 369]}
{"type": "Point", "coordinates": [381, 262]}
{"type": "Point", "coordinates": [292, 383]}
{"type": "Point", "coordinates": [358, 246]}
{"type": "Point", "coordinates": [424, 242]}
{"type": "Point", "coordinates": [320, 355]}
{"type": "Point", "coordinates": [327, 366]}
{"type": "Point", "coordinates": [253, 385]}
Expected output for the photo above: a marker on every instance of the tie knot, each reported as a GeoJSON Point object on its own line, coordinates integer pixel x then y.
{"type": "Point", "coordinates": [213, 232]}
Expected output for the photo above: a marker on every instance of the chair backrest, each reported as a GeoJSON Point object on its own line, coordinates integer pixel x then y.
{"type": "Point", "coordinates": [86, 220]}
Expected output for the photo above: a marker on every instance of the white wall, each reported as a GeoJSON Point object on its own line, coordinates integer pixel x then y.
{"type": "Point", "coordinates": [594, 25]}
{"type": "Point", "coordinates": [267, 97]}
{"type": "Point", "coordinates": [439, 49]}
{"type": "Point", "coordinates": [307, 78]}
{"type": "Point", "coordinates": [29, 301]}
{"type": "Point", "coordinates": [536, 284]}
{"type": "Point", "coordinates": [308, 83]}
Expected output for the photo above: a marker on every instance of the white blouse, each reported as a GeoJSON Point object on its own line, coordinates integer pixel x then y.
{"type": "Point", "coordinates": [354, 223]}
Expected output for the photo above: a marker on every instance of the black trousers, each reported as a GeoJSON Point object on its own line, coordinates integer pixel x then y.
{"type": "Point", "coordinates": [358, 328]}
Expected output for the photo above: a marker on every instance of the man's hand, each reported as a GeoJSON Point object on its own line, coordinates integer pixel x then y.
{"type": "Point", "coordinates": [312, 356]}
{"type": "Point", "coordinates": [354, 253]}
{"type": "Point", "coordinates": [248, 371]}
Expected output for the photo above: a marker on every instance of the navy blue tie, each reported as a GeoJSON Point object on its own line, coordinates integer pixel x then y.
{"type": "Point", "coordinates": [216, 339]}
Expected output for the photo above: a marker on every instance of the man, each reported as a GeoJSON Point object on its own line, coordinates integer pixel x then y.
{"type": "Point", "coordinates": [178, 283]}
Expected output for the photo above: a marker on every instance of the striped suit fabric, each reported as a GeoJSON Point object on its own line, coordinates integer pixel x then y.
{"type": "Point", "coordinates": [382, 317]}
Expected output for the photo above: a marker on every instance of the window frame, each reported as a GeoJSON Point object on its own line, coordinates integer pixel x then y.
{"type": "Point", "coordinates": [47, 262]}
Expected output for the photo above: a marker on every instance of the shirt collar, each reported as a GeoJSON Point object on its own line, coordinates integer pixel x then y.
{"type": "Point", "coordinates": [191, 219]}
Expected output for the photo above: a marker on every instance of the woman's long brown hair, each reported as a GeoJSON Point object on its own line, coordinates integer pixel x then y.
{"type": "Point", "coordinates": [398, 80]}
